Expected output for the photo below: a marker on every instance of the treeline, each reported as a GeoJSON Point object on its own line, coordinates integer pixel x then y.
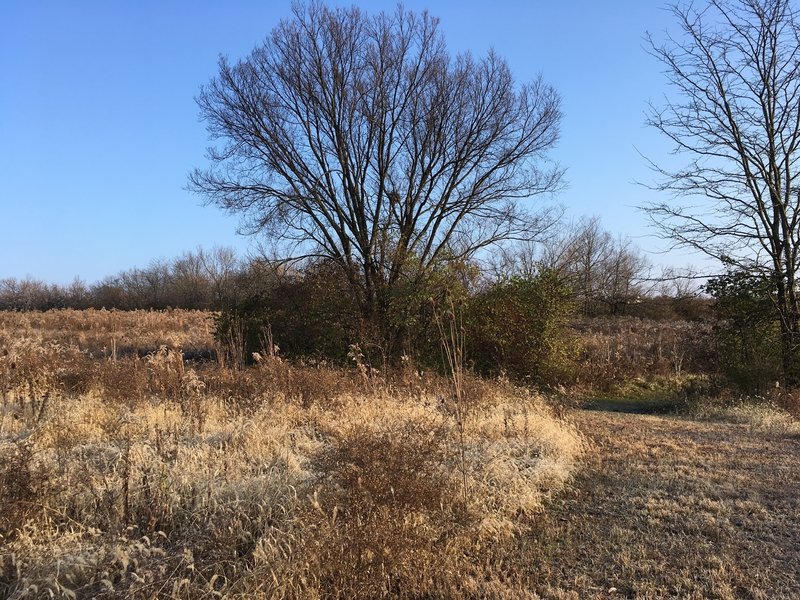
{"type": "Point", "coordinates": [203, 279]}
{"type": "Point", "coordinates": [606, 275]}
{"type": "Point", "coordinates": [516, 312]}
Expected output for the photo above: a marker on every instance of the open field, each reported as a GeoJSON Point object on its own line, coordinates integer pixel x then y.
{"type": "Point", "coordinates": [130, 476]}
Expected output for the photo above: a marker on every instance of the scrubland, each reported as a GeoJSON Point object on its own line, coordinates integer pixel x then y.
{"type": "Point", "coordinates": [137, 462]}
{"type": "Point", "coordinates": [134, 465]}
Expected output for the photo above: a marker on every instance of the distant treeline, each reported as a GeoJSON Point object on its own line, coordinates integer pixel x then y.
{"type": "Point", "coordinates": [203, 279]}
{"type": "Point", "coordinates": [605, 275]}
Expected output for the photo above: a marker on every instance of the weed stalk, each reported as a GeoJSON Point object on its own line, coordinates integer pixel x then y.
{"type": "Point", "coordinates": [451, 334]}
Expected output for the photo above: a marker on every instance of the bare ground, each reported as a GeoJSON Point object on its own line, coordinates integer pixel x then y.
{"type": "Point", "coordinates": [668, 507]}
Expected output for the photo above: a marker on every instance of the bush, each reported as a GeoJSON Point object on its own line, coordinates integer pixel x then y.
{"type": "Point", "coordinates": [747, 337]}
{"type": "Point", "coordinates": [316, 313]}
{"type": "Point", "coordinates": [519, 327]}
{"type": "Point", "coordinates": [310, 314]}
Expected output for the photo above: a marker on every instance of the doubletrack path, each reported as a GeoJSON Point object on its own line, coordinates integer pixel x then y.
{"type": "Point", "coordinates": [668, 507]}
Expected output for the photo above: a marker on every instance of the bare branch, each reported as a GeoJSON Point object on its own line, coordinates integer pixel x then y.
{"type": "Point", "coordinates": [359, 138]}
{"type": "Point", "coordinates": [735, 117]}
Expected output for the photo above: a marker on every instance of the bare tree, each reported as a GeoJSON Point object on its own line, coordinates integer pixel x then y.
{"type": "Point", "coordinates": [587, 252]}
{"type": "Point", "coordinates": [359, 139]}
{"type": "Point", "coordinates": [221, 267]}
{"type": "Point", "coordinates": [604, 272]}
{"type": "Point", "coordinates": [735, 118]}
{"type": "Point", "coordinates": [148, 287]}
{"type": "Point", "coordinates": [188, 285]}
{"type": "Point", "coordinates": [623, 274]}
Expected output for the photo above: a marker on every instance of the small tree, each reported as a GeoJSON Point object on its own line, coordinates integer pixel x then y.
{"type": "Point", "coordinates": [360, 140]}
{"type": "Point", "coordinates": [748, 334]}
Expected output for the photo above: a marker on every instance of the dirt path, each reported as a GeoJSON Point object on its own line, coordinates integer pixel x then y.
{"type": "Point", "coordinates": [672, 508]}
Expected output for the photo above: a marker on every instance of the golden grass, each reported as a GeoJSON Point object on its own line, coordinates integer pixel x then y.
{"type": "Point", "coordinates": [139, 474]}
{"type": "Point", "coordinates": [100, 331]}
{"type": "Point", "coordinates": [766, 415]}
{"type": "Point", "coordinates": [152, 477]}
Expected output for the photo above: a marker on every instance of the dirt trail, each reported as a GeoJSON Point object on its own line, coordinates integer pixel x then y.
{"type": "Point", "coordinates": [668, 507]}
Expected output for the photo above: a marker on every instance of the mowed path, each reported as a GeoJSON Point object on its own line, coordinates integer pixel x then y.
{"type": "Point", "coordinates": [668, 507]}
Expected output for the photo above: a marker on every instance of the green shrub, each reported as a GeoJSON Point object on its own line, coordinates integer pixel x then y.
{"type": "Point", "coordinates": [519, 326]}
{"type": "Point", "coordinates": [317, 312]}
{"type": "Point", "coordinates": [747, 336]}
{"type": "Point", "coordinates": [516, 326]}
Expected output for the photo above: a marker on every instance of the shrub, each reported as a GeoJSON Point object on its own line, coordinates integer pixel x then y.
{"type": "Point", "coordinates": [519, 326]}
{"type": "Point", "coordinates": [370, 532]}
{"type": "Point", "coordinates": [312, 313]}
{"type": "Point", "coordinates": [747, 336]}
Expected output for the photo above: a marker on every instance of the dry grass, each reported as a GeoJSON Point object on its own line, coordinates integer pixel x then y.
{"type": "Point", "coordinates": [670, 507]}
{"type": "Point", "coordinates": [766, 415]}
{"type": "Point", "coordinates": [615, 350]}
{"type": "Point", "coordinates": [102, 332]}
{"type": "Point", "coordinates": [154, 477]}
{"type": "Point", "coordinates": [140, 474]}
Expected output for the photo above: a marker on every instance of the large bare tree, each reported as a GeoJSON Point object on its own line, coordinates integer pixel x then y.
{"type": "Point", "coordinates": [358, 138]}
{"type": "Point", "coordinates": [734, 117]}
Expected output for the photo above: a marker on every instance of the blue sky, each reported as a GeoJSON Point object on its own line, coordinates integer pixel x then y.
{"type": "Point", "coordinates": [98, 125]}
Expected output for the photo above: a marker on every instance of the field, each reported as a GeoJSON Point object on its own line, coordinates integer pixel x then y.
{"type": "Point", "coordinates": [676, 507]}
{"type": "Point", "coordinates": [133, 465]}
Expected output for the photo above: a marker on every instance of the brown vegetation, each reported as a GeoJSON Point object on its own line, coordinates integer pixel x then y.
{"type": "Point", "coordinates": [140, 474]}
{"type": "Point", "coordinates": [614, 351]}
{"type": "Point", "coordinates": [129, 468]}
{"type": "Point", "coordinates": [676, 508]}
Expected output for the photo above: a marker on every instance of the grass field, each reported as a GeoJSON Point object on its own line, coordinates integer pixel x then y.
{"type": "Point", "coordinates": [672, 507]}
{"type": "Point", "coordinates": [132, 469]}
{"type": "Point", "coordinates": [127, 471]}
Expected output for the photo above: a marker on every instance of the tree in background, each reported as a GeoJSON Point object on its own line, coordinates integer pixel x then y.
{"type": "Point", "coordinates": [606, 274]}
{"type": "Point", "coordinates": [360, 140]}
{"type": "Point", "coordinates": [220, 267]}
{"type": "Point", "coordinates": [735, 118]}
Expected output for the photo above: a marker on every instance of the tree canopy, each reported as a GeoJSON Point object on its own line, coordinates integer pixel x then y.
{"type": "Point", "coordinates": [360, 139]}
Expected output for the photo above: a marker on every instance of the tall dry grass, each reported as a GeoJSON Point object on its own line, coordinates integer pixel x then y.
{"type": "Point", "coordinates": [141, 474]}
{"type": "Point", "coordinates": [99, 332]}
{"type": "Point", "coordinates": [613, 351]}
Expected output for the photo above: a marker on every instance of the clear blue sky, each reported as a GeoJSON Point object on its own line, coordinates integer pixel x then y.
{"type": "Point", "coordinates": [98, 125]}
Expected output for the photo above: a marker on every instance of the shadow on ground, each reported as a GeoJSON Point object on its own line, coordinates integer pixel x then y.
{"type": "Point", "coordinates": [636, 406]}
